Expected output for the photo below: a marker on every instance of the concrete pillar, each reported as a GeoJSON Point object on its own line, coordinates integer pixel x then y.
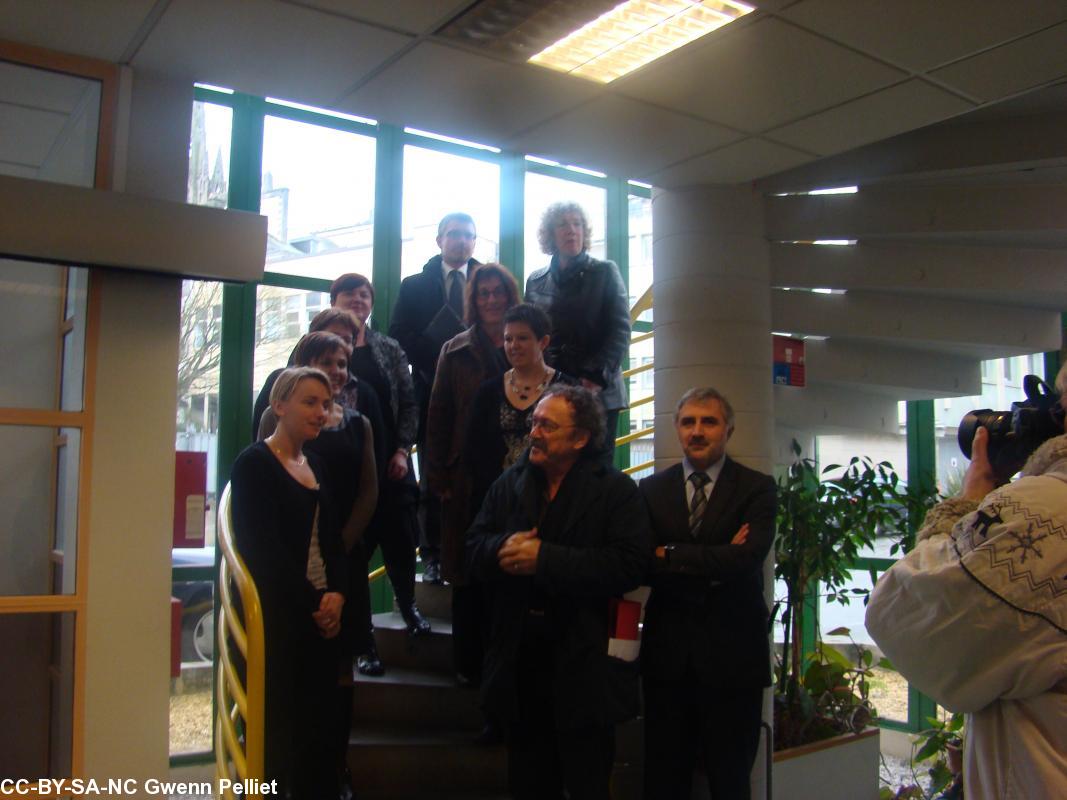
{"type": "Point", "coordinates": [713, 328]}
{"type": "Point", "coordinates": [713, 313]}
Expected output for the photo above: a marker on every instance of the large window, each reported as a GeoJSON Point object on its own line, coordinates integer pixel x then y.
{"type": "Point", "coordinates": [317, 192]}
{"type": "Point", "coordinates": [436, 184]}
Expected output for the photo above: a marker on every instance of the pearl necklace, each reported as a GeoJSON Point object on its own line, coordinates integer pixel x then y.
{"type": "Point", "coordinates": [524, 393]}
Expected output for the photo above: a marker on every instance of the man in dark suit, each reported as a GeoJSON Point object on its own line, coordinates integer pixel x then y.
{"type": "Point", "coordinates": [416, 324]}
{"type": "Point", "coordinates": [705, 653]}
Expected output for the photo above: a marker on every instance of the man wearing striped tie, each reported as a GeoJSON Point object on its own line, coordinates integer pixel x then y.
{"type": "Point", "coordinates": [705, 656]}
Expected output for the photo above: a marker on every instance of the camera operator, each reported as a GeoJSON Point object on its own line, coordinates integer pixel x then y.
{"type": "Point", "coordinates": [976, 617]}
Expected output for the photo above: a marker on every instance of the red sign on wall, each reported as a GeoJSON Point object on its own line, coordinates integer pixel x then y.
{"type": "Point", "coordinates": [788, 361]}
{"type": "Point", "coordinates": [190, 497]}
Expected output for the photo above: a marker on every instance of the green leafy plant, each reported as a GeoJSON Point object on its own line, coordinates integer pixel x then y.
{"type": "Point", "coordinates": [824, 521]}
{"type": "Point", "coordinates": [937, 751]}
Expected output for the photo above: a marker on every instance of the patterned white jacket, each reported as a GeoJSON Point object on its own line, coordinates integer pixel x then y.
{"type": "Point", "coordinates": [975, 616]}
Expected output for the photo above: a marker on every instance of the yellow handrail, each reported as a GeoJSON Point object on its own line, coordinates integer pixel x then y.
{"type": "Point", "coordinates": [643, 304]}
{"type": "Point", "coordinates": [238, 753]}
{"type": "Point", "coordinates": [639, 467]}
{"type": "Point", "coordinates": [637, 370]}
{"type": "Point", "coordinates": [630, 437]}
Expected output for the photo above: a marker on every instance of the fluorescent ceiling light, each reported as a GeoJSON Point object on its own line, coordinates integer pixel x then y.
{"type": "Point", "coordinates": [835, 242]}
{"type": "Point", "coordinates": [634, 33]}
{"type": "Point", "coordinates": [640, 184]}
{"type": "Point", "coordinates": [836, 190]}
{"type": "Point", "coordinates": [546, 161]}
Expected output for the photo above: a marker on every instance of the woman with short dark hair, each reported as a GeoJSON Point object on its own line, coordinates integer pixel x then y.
{"type": "Point", "coordinates": [379, 360]}
{"type": "Point", "coordinates": [499, 429]}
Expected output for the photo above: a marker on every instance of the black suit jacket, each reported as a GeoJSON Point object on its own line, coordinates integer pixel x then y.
{"type": "Point", "coordinates": [421, 297]}
{"type": "Point", "coordinates": [706, 614]}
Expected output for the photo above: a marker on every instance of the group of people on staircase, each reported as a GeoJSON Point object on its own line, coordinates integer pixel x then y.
{"type": "Point", "coordinates": [331, 477]}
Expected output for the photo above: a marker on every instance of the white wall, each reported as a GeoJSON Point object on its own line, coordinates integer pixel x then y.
{"type": "Point", "coordinates": [132, 506]}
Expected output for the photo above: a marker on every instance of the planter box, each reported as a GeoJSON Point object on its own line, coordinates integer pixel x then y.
{"type": "Point", "coordinates": [843, 768]}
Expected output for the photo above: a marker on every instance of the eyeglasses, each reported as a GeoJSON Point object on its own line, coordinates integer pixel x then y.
{"type": "Point", "coordinates": [545, 424]}
{"type": "Point", "coordinates": [498, 293]}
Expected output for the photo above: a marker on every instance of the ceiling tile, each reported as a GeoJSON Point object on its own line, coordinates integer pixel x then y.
{"type": "Point", "coordinates": [450, 91]}
{"type": "Point", "coordinates": [414, 16]}
{"type": "Point", "coordinates": [1012, 67]}
{"type": "Point", "coordinates": [622, 136]}
{"type": "Point", "coordinates": [920, 35]}
{"type": "Point", "coordinates": [900, 108]}
{"type": "Point", "coordinates": [746, 160]}
{"type": "Point", "coordinates": [100, 29]}
{"type": "Point", "coordinates": [267, 48]}
{"type": "Point", "coordinates": [758, 76]}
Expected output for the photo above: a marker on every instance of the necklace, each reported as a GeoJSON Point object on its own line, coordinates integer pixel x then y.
{"type": "Point", "coordinates": [524, 392]}
{"type": "Point", "coordinates": [278, 451]}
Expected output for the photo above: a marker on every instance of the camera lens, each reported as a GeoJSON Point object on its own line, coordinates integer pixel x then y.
{"type": "Point", "coordinates": [998, 423]}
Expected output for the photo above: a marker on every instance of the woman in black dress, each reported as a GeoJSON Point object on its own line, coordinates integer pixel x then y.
{"type": "Point", "coordinates": [499, 428]}
{"type": "Point", "coordinates": [379, 360]}
{"type": "Point", "coordinates": [286, 535]}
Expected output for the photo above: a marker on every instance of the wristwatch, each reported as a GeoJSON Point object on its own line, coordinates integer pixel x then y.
{"type": "Point", "coordinates": [667, 550]}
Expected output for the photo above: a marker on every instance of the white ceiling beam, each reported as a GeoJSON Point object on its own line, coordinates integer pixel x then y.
{"type": "Point", "coordinates": [957, 147]}
{"type": "Point", "coordinates": [966, 328]}
{"type": "Point", "coordinates": [897, 372]}
{"type": "Point", "coordinates": [828, 409]}
{"type": "Point", "coordinates": [961, 211]}
{"type": "Point", "coordinates": [41, 221]}
{"type": "Point", "coordinates": [994, 274]}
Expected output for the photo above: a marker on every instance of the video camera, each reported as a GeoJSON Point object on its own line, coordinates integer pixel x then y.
{"type": "Point", "coordinates": [1015, 434]}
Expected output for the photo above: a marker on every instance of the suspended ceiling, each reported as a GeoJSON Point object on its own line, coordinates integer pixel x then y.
{"type": "Point", "coordinates": [786, 85]}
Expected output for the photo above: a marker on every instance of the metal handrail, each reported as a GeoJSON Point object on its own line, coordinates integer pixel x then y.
{"type": "Point", "coordinates": [630, 437]}
{"type": "Point", "coordinates": [238, 750]}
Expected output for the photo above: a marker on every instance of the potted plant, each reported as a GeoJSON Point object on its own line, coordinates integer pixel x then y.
{"type": "Point", "coordinates": [824, 522]}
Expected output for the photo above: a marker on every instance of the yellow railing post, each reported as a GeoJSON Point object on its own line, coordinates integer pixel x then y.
{"type": "Point", "coordinates": [238, 750]}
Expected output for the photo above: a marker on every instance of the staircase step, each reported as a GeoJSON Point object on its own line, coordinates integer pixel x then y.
{"type": "Point", "coordinates": [418, 698]}
{"type": "Point", "coordinates": [399, 762]}
{"type": "Point", "coordinates": [430, 652]}
{"type": "Point", "coordinates": [433, 600]}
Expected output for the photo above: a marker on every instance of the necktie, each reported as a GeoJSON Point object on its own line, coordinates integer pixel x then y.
{"type": "Point", "coordinates": [699, 501]}
{"type": "Point", "coordinates": [455, 292]}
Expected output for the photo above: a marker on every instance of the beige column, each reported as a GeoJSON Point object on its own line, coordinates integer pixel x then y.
{"type": "Point", "coordinates": [712, 297]}
{"type": "Point", "coordinates": [713, 313]}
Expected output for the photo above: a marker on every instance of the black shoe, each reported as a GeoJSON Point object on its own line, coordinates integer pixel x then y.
{"type": "Point", "coordinates": [370, 664]}
{"type": "Point", "coordinates": [431, 573]}
{"type": "Point", "coordinates": [417, 624]}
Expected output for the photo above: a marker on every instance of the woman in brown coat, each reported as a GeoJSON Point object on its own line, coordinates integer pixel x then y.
{"type": "Point", "coordinates": [466, 361]}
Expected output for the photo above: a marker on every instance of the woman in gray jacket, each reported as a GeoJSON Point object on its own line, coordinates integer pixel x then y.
{"type": "Point", "coordinates": [587, 302]}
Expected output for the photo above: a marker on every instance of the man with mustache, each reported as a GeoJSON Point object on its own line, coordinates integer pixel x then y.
{"type": "Point", "coordinates": [559, 535]}
{"type": "Point", "coordinates": [705, 656]}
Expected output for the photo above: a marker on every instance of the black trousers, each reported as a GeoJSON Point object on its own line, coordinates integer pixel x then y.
{"type": "Point", "coordinates": [394, 529]}
{"type": "Point", "coordinates": [686, 723]}
{"type": "Point", "coordinates": [470, 628]}
{"type": "Point", "coordinates": [543, 759]}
